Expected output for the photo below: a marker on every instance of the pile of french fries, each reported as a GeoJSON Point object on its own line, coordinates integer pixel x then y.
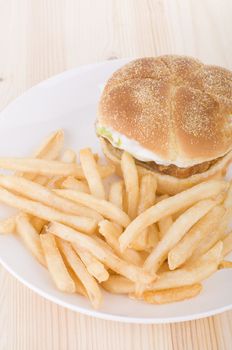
{"type": "Point", "coordinates": [92, 230]}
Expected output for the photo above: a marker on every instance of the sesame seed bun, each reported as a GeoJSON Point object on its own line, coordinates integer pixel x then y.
{"type": "Point", "coordinates": [175, 106]}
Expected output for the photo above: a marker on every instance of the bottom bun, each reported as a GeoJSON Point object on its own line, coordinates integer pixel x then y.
{"type": "Point", "coordinates": [167, 184]}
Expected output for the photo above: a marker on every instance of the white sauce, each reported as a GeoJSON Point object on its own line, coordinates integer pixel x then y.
{"type": "Point", "coordinates": [135, 149]}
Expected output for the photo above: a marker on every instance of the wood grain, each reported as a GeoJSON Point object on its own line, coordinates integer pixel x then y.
{"type": "Point", "coordinates": [41, 38]}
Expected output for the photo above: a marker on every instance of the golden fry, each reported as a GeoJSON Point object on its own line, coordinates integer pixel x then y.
{"type": "Point", "coordinates": [116, 194]}
{"type": "Point", "coordinates": [225, 264]}
{"type": "Point", "coordinates": [164, 225]}
{"type": "Point", "coordinates": [101, 252]}
{"type": "Point", "coordinates": [227, 244]}
{"type": "Point", "coordinates": [147, 196]}
{"type": "Point", "coordinates": [106, 209]}
{"type": "Point", "coordinates": [30, 237]}
{"type": "Point", "coordinates": [94, 267]}
{"type": "Point", "coordinates": [91, 286]}
{"type": "Point", "coordinates": [118, 285]}
{"type": "Point", "coordinates": [169, 206]}
{"type": "Point", "coordinates": [153, 248]}
{"type": "Point", "coordinates": [228, 199]}
{"type": "Point", "coordinates": [7, 225]}
{"type": "Point", "coordinates": [56, 265]}
{"type": "Point", "coordinates": [92, 174]}
{"type": "Point", "coordinates": [70, 183]}
{"type": "Point", "coordinates": [49, 150]}
{"type": "Point", "coordinates": [184, 248]}
{"type": "Point", "coordinates": [69, 156]}
{"type": "Point", "coordinates": [210, 239]}
{"type": "Point", "coordinates": [172, 295]}
{"type": "Point", "coordinates": [190, 273]}
{"type": "Point", "coordinates": [42, 211]}
{"type": "Point", "coordinates": [130, 175]}
{"type": "Point", "coordinates": [51, 146]}
{"type": "Point", "coordinates": [46, 196]}
{"type": "Point", "coordinates": [176, 232]}
{"type": "Point", "coordinates": [111, 238]}
{"type": "Point", "coordinates": [49, 167]}
{"type": "Point", "coordinates": [38, 223]}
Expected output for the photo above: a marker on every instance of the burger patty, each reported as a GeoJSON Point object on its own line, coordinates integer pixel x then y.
{"type": "Point", "coordinates": [180, 173]}
{"type": "Point", "coordinates": [172, 169]}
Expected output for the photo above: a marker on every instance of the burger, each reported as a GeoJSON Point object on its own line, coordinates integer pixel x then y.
{"type": "Point", "coordinates": [173, 114]}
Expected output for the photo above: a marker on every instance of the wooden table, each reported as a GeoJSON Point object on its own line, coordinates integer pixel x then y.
{"type": "Point", "coordinates": [40, 38]}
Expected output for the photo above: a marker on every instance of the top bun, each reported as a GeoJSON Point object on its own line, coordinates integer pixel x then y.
{"type": "Point", "coordinates": [175, 106]}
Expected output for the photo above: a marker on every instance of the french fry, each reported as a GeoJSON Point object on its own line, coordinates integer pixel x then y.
{"type": "Point", "coordinates": [147, 196]}
{"type": "Point", "coordinates": [56, 265]}
{"type": "Point", "coordinates": [99, 250]}
{"type": "Point", "coordinates": [84, 224]}
{"type": "Point", "coordinates": [70, 183]}
{"type": "Point", "coordinates": [110, 228]}
{"type": "Point", "coordinates": [225, 264]}
{"type": "Point", "coordinates": [46, 196]}
{"type": "Point", "coordinates": [91, 172]}
{"type": "Point", "coordinates": [164, 223]}
{"type": "Point", "coordinates": [117, 284]}
{"type": "Point", "coordinates": [91, 286]}
{"type": "Point", "coordinates": [38, 223]}
{"type": "Point", "coordinates": [147, 240]}
{"type": "Point", "coordinates": [190, 273]}
{"type": "Point", "coordinates": [39, 179]}
{"type": "Point", "coordinates": [172, 295]}
{"type": "Point", "coordinates": [171, 245]}
{"type": "Point", "coordinates": [140, 243]}
{"type": "Point", "coordinates": [116, 194]}
{"type": "Point", "coordinates": [184, 248]}
{"type": "Point", "coordinates": [213, 253]}
{"type": "Point", "coordinates": [169, 206]}
{"type": "Point", "coordinates": [179, 212]}
{"type": "Point", "coordinates": [228, 199]}
{"type": "Point", "coordinates": [69, 156]}
{"type": "Point", "coordinates": [226, 220]}
{"type": "Point", "coordinates": [105, 208]}
{"type": "Point", "coordinates": [227, 244]}
{"type": "Point", "coordinates": [176, 232]}
{"type": "Point", "coordinates": [49, 150]}
{"type": "Point", "coordinates": [210, 239]}
{"type": "Point", "coordinates": [152, 237]}
{"type": "Point", "coordinates": [96, 157]}
{"type": "Point", "coordinates": [129, 255]}
{"type": "Point", "coordinates": [7, 225]}
{"type": "Point", "coordinates": [51, 146]}
{"type": "Point", "coordinates": [163, 268]}
{"type": "Point", "coordinates": [94, 267]}
{"type": "Point", "coordinates": [80, 289]}
{"type": "Point", "coordinates": [130, 175]}
{"type": "Point", "coordinates": [50, 167]}
{"type": "Point", "coordinates": [30, 237]}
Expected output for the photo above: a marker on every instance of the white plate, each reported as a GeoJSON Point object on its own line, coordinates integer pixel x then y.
{"type": "Point", "coordinates": [69, 101]}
